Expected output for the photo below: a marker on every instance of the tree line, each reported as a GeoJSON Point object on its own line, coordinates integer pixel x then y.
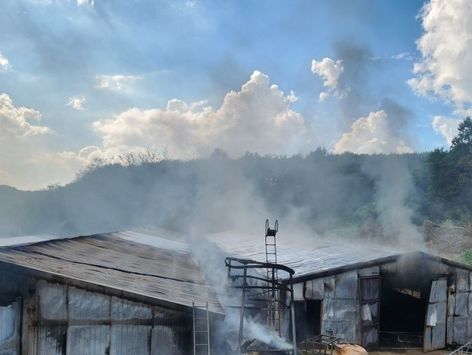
{"type": "Point", "coordinates": [347, 192]}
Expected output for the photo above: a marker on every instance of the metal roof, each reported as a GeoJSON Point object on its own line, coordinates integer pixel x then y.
{"type": "Point", "coordinates": [307, 256]}
{"type": "Point", "coordinates": [135, 262]}
{"type": "Point", "coordinates": [159, 265]}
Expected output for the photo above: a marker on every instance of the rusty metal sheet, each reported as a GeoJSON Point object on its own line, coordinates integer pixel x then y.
{"type": "Point", "coordinates": [462, 307]}
{"type": "Point", "coordinates": [438, 292]}
{"type": "Point", "coordinates": [123, 309]}
{"type": "Point", "coordinates": [470, 304]}
{"type": "Point", "coordinates": [328, 311]}
{"type": "Point", "coordinates": [427, 339]}
{"type": "Point", "coordinates": [450, 330]}
{"type": "Point", "coordinates": [462, 280]}
{"type": "Point", "coordinates": [329, 283]}
{"type": "Point", "coordinates": [439, 336]}
{"type": "Point", "coordinates": [370, 289]}
{"type": "Point", "coordinates": [345, 309]}
{"type": "Point", "coordinates": [346, 285]}
{"type": "Point", "coordinates": [52, 300]}
{"type": "Point", "coordinates": [460, 330]}
{"type": "Point", "coordinates": [88, 305]}
{"type": "Point", "coordinates": [469, 327]}
{"type": "Point", "coordinates": [52, 340]}
{"type": "Point", "coordinates": [436, 316]}
{"type": "Point", "coordinates": [370, 337]}
{"type": "Point", "coordinates": [130, 339]}
{"type": "Point", "coordinates": [169, 340]}
{"type": "Point", "coordinates": [314, 289]}
{"type": "Point", "coordinates": [10, 323]}
{"type": "Point", "coordinates": [298, 291]}
{"type": "Point", "coordinates": [90, 340]}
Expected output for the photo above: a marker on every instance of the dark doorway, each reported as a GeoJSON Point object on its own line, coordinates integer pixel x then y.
{"type": "Point", "coordinates": [308, 319]}
{"type": "Point", "coordinates": [402, 314]}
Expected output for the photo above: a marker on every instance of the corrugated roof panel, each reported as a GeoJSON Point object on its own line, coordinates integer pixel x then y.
{"type": "Point", "coordinates": [306, 256]}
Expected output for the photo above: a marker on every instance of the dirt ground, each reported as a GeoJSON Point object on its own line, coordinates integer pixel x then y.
{"type": "Point", "coordinates": [408, 352]}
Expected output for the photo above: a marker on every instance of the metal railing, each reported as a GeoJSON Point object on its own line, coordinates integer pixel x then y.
{"type": "Point", "coordinates": [464, 349]}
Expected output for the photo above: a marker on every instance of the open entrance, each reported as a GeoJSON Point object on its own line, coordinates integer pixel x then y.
{"type": "Point", "coordinates": [308, 316]}
{"type": "Point", "coordinates": [402, 313]}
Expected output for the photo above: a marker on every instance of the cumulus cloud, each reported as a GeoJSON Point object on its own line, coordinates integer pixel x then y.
{"type": "Point", "coordinates": [77, 102]}
{"type": "Point", "coordinates": [371, 135]}
{"type": "Point", "coordinates": [446, 127]}
{"type": "Point", "coordinates": [4, 63]}
{"type": "Point", "coordinates": [257, 118]}
{"type": "Point", "coordinates": [115, 82]}
{"type": "Point", "coordinates": [17, 121]}
{"type": "Point", "coordinates": [330, 71]}
{"type": "Point", "coordinates": [446, 50]}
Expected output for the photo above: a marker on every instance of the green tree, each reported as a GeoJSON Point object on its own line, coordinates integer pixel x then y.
{"type": "Point", "coordinates": [451, 177]}
{"type": "Point", "coordinates": [462, 142]}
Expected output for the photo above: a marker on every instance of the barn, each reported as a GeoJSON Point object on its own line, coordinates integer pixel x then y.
{"type": "Point", "coordinates": [370, 295]}
{"type": "Point", "coordinates": [141, 291]}
{"type": "Point", "coordinates": [114, 293]}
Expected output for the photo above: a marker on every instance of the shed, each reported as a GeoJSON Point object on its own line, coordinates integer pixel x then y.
{"type": "Point", "coordinates": [132, 292]}
{"type": "Point", "coordinates": [370, 295]}
{"type": "Point", "coordinates": [114, 293]}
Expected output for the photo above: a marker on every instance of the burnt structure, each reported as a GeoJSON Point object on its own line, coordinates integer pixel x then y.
{"type": "Point", "coordinates": [372, 296]}
{"type": "Point", "coordinates": [117, 293]}
{"type": "Point", "coordinates": [139, 291]}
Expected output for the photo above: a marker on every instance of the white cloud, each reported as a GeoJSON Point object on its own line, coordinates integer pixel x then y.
{"type": "Point", "coordinates": [85, 2]}
{"type": "Point", "coordinates": [446, 49]}
{"type": "Point", "coordinates": [330, 71]}
{"type": "Point", "coordinates": [116, 82]}
{"type": "Point", "coordinates": [403, 55]}
{"type": "Point", "coordinates": [77, 102]}
{"type": "Point", "coordinates": [323, 96]}
{"type": "Point", "coordinates": [27, 160]}
{"type": "Point", "coordinates": [371, 135]}
{"type": "Point", "coordinates": [257, 118]}
{"type": "Point", "coordinates": [446, 126]}
{"type": "Point", "coordinates": [16, 121]}
{"type": "Point", "coordinates": [21, 141]}
{"type": "Point", "coordinates": [4, 63]}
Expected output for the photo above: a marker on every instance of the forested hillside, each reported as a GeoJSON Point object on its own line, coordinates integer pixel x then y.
{"type": "Point", "coordinates": [368, 195]}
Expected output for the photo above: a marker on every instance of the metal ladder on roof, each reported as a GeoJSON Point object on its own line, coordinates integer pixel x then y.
{"type": "Point", "coordinates": [273, 297]}
{"type": "Point", "coordinates": [201, 330]}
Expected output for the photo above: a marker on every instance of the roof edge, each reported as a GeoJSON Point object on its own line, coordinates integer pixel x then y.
{"type": "Point", "coordinates": [373, 262]}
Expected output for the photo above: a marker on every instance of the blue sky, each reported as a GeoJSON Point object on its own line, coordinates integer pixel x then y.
{"type": "Point", "coordinates": [82, 65]}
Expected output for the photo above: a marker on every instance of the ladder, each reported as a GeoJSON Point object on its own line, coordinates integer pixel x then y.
{"type": "Point", "coordinates": [201, 330]}
{"type": "Point", "coordinates": [273, 297]}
